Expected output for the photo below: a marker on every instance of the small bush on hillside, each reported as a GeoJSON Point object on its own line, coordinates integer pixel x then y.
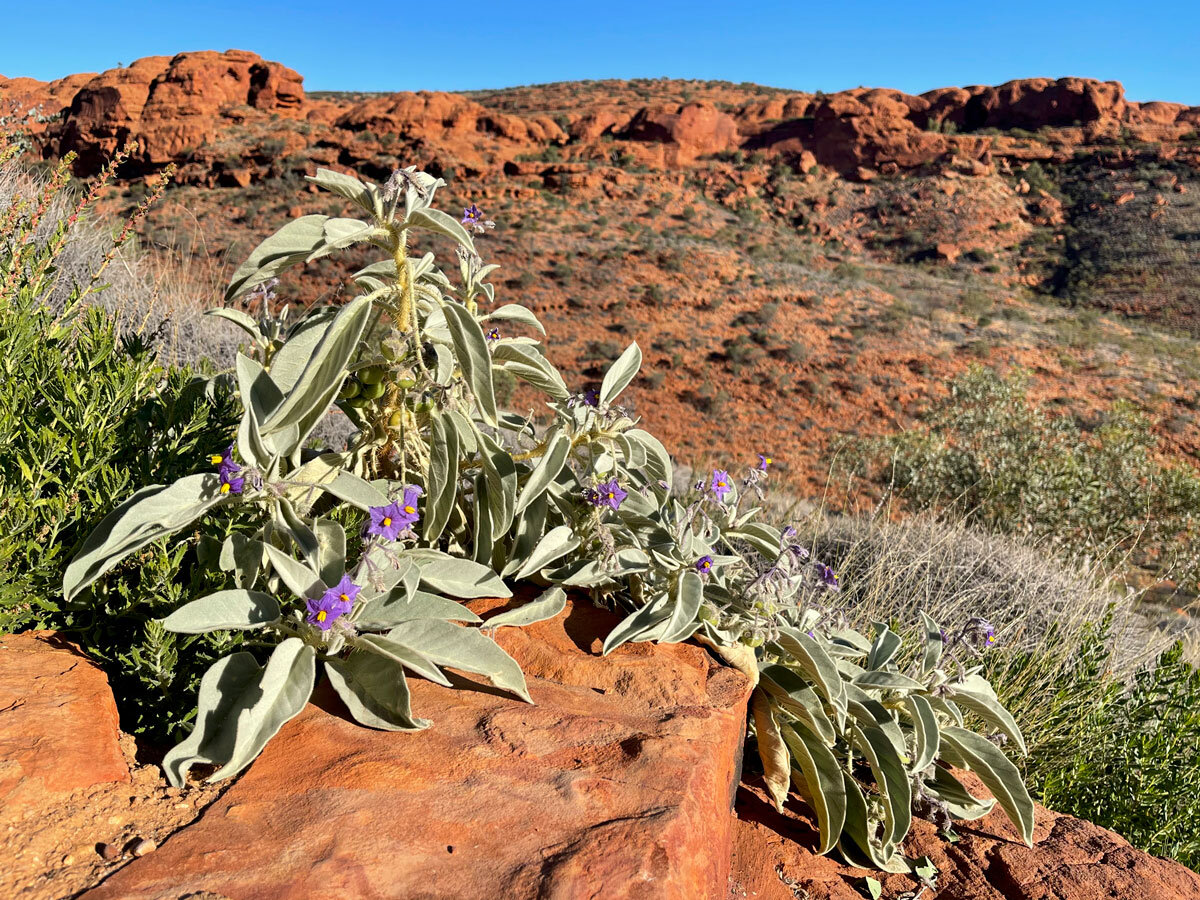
{"type": "Point", "coordinates": [991, 456]}
{"type": "Point", "coordinates": [1134, 764]}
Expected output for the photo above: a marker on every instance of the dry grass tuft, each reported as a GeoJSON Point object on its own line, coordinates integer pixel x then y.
{"type": "Point", "coordinates": [161, 296]}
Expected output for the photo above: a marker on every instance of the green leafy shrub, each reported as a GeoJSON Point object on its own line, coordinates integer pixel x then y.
{"type": "Point", "coordinates": [86, 414]}
{"type": "Point", "coordinates": [1134, 764]}
{"type": "Point", "coordinates": [356, 560]}
{"type": "Point", "coordinates": [989, 455]}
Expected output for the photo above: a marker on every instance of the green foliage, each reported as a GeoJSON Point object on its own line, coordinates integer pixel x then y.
{"type": "Point", "coordinates": [85, 415]}
{"type": "Point", "coordinates": [861, 733]}
{"type": "Point", "coordinates": [1122, 754]}
{"type": "Point", "coordinates": [1136, 768]}
{"type": "Point", "coordinates": [991, 456]}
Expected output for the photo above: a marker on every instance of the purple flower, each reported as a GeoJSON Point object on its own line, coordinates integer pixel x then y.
{"type": "Point", "coordinates": [492, 334]}
{"type": "Point", "coordinates": [224, 460]}
{"type": "Point", "coordinates": [608, 494]}
{"type": "Point", "coordinates": [982, 631]}
{"type": "Point", "coordinates": [704, 564]}
{"type": "Point", "coordinates": [473, 217]}
{"type": "Point", "coordinates": [386, 521]}
{"type": "Point", "coordinates": [231, 481]}
{"type": "Point", "coordinates": [590, 397]}
{"type": "Point", "coordinates": [764, 461]}
{"type": "Point", "coordinates": [397, 517]}
{"type": "Point", "coordinates": [826, 575]}
{"type": "Point", "coordinates": [230, 472]}
{"type": "Point", "coordinates": [335, 602]}
{"type": "Point", "coordinates": [721, 484]}
{"type": "Point", "coordinates": [408, 507]}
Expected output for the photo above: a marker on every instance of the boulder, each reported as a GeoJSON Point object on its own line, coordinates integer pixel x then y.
{"type": "Point", "coordinates": [169, 105]}
{"type": "Point", "coordinates": [58, 723]}
{"type": "Point", "coordinates": [616, 784]}
{"type": "Point", "coordinates": [1033, 103]}
{"type": "Point", "coordinates": [689, 131]}
{"type": "Point", "coordinates": [867, 130]}
{"type": "Point", "coordinates": [1069, 860]}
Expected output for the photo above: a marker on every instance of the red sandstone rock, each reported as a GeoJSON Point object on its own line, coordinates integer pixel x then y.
{"type": "Point", "coordinates": [947, 251]}
{"type": "Point", "coordinates": [58, 723]}
{"type": "Point", "coordinates": [175, 107]}
{"type": "Point", "coordinates": [615, 785]}
{"type": "Point", "coordinates": [434, 115]}
{"type": "Point", "coordinates": [170, 104]}
{"type": "Point", "coordinates": [691, 131]}
{"type": "Point", "coordinates": [1070, 860]}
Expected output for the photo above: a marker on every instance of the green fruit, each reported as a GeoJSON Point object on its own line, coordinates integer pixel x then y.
{"type": "Point", "coordinates": [395, 419]}
{"type": "Point", "coordinates": [359, 402]}
{"type": "Point", "coordinates": [406, 383]}
{"type": "Point", "coordinates": [371, 375]}
{"type": "Point", "coordinates": [350, 389]}
{"type": "Point", "coordinates": [373, 391]}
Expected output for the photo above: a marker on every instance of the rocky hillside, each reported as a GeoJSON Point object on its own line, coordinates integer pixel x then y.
{"type": "Point", "coordinates": [798, 267]}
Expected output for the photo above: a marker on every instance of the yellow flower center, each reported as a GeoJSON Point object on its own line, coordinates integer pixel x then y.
{"type": "Point", "coordinates": [410, 509]}
{"type": "Point", "coordinates": [215, 459]}
{"type": "Point", "coordinates": [322, 616]}
{"type": "Point", "coordinates": [387, 520]}
{"type": "Point", "coordinates": [721, 484]}
{"type": "Point", "coordinates": [768, 460]}
{"type": "Point", "coordinates": [225, 488]}
{"type": "Point", "coordinates": [611, 495]}
{"type": "Point", "coordinates": [345, 599]}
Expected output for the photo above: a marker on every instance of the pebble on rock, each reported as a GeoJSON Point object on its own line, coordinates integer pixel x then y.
{"type": "Point", "coordinates": [144, 846]}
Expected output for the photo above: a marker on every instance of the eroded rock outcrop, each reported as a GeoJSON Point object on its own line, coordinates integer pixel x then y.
{"type": "Point", "coordinates": [690, 131]}
{"type": "Point", "coordinates": [179, 107]}
{"type": "Point", "coordinates": [169, 105]}
{"type": "Point", "coordinates": [616, 784]}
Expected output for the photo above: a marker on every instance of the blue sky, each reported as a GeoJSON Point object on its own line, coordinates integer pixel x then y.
{"type": "Point", "coordinates": [1150, 46]}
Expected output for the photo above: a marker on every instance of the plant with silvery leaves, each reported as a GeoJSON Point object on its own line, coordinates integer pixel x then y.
{"type": "Point", "coordinates": [358, 559]}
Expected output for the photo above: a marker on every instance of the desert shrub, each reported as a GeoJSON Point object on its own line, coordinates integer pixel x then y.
{"type": "Point", "coordinates": [87, 414]}
{"type": "Point", "coordinates": [356, 561]}
{"type": "Point", "coordinates": [1134, 761]}
{"type": "Point", "coordinates": [988, 454]}
{"type": "Point", "coordinates": [1108, 705]}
